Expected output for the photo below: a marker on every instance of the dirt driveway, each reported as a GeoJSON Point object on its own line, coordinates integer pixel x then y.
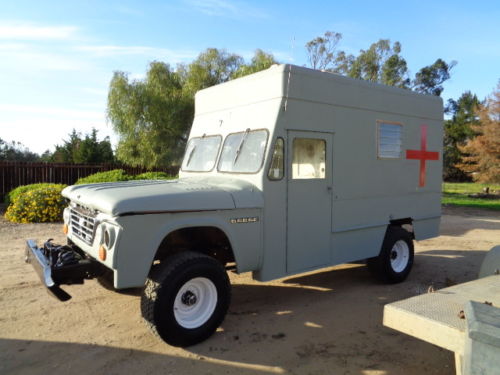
{"type": "Point", "coordinates": [327, 322]}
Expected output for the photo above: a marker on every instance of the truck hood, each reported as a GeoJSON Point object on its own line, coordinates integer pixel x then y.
{"type": "Point", "coordinates": [156, 196]}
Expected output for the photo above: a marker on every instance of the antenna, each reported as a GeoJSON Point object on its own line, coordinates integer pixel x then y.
{"type": "Point", "coordinates": [288, 85]}
{"type": "Point", "coordinates": [289, 72]}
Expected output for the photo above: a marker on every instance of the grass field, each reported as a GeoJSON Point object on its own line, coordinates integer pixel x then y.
{"type": "Point", "coordinates": [456, 194]}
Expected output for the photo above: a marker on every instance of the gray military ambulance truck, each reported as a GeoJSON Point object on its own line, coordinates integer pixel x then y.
{"type": "Point", "coordinates": [287, 170]}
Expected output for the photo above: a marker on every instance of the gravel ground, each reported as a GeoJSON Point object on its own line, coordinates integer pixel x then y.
{"type": "Point", "coordinates": [326, 322]}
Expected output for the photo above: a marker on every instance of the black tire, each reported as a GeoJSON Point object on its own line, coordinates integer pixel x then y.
{"type": "Point", "coordinates": [191, 272]}
{"type": "Point", "coordinates": [387, 267]}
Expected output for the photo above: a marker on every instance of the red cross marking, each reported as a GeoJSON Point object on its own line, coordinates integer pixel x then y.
{"type": "Point", "coordinates": [422, 154]}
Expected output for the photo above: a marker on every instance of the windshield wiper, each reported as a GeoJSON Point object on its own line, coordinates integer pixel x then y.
{"type": "Point", "coordinates": [240, 146]}
{"type": "Point", "coordinates": [190, 156]}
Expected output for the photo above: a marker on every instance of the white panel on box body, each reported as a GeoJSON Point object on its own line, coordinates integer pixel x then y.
{"type": "Point", "coordinates": [363, 192]}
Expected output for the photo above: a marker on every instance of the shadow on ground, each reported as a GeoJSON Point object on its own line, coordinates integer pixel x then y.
{"type": "Point", "coordinates": [312, 332]}
{"type": "Point", "coordinates": [321, 321]}
{"type": "Point", "coordinates": [42, 357]}
{"type": "Point", "coordinates": [453, 266]}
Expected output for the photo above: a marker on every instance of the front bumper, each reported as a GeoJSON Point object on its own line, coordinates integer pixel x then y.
{"type": "Point", "coordinates": [54, 271]}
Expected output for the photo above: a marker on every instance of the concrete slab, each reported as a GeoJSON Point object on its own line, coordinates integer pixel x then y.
{"type": "Point", "coordinates": [434, 317]}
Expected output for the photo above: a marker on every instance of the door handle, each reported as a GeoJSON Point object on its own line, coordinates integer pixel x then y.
{"type": "Point", "coordinates": [329, 189]}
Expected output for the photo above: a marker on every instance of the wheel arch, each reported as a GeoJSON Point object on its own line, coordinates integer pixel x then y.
{"type": "Point", "coordinates": [405, 223]}
{"type": "Point", "coordinates": [208, 239]}
{"type": "Point", "coordinates": [181, 234]}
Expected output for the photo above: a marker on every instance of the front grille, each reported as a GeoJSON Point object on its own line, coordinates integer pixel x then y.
{"type": "Point", "coordinates": [83, 224]}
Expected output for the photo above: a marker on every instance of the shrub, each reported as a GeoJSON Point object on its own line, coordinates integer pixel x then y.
{"type": "Point", "coordinates": [108, 176]}
{"type": "Point", "coordinates": [153, 176]}
{"type": "Point", "coordinates": [14, 193]}
{"type": "Point", "coordinates": [37, 205]}
{"type": "Point", "coordinates": [120, 175]}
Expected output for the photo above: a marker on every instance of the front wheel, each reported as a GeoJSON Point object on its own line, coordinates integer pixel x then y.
{"type": "Point", "coordinates": [186, 298]}
{"type": "Point", "coordinates": [395, 260]}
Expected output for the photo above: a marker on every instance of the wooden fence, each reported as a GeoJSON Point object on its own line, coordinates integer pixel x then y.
{"type": "Point", "coordinates": [14, 174]}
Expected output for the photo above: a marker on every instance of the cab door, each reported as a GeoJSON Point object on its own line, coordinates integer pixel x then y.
{"type": "Point", "coordinates": [309, 200]}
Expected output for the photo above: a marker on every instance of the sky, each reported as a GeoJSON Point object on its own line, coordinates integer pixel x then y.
{"type": "Point", "coordinates": [58, 57]}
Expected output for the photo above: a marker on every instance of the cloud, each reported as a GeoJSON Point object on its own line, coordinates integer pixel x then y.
{"type": "Point", "coordinates": [41, 127]}
{"type": "Point", "coordinates": [152, 52]}
{"type": "Point", "coordinates": [21, 50]}
{"type": "Point", "coordinates": [225, 8]}
{"type": "Point", "coordinates": [30, 57]}
{"type": "Point", "coordinates": [95, 91]}
{"type": "Point", "coordinates": [25, 31]}
{"type": "Point", "coordinates": [40, 134]}
{"type": "Point", "coordinates": [284, 57]}
{"type": "Point", "coordinates": [11, 47]}
{"type": "Point", "coordinates": [53, 112]}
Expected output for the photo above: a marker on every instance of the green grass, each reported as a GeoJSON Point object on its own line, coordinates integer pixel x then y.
{"type": "Point", "coordinates": [456, 194]}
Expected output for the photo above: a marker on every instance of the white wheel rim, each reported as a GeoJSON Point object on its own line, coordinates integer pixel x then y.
{"type": "Point", "coordinates": [400, 255]}
{"type": "Point", "coordinates": [195, 302]}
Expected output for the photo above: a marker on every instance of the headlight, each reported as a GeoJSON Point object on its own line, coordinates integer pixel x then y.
{"type": "Point", "coordinates": [66, 215]}
{"type": "Point", "coordinates": [109, 236]}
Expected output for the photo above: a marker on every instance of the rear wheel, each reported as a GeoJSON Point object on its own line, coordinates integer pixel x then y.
{"type": "Point", "coordinates": [395, 260]}
{"type": "Point", "coordinates": [186, 298]}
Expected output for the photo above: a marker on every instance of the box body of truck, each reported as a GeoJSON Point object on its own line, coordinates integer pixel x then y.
{"type": "Point", "coordinates": [348, 168]}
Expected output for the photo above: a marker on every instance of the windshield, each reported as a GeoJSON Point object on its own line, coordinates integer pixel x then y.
{"type": "Point", "coordinates": [201, 153]}
{"type": "Point", "coordinates": [243, 152]}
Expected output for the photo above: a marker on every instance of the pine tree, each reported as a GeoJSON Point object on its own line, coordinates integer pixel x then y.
{"type": "Point", "coordinates": [457, 131]}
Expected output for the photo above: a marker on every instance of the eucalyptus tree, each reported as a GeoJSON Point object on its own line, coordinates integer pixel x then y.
{"type": "Point", "coordinates": [382, 62]}
{"type": "Point", "coordinates": [151, 116]}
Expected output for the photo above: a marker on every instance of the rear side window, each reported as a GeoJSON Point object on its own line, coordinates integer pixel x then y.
{"type": "Point", "coordinates": [277, 167]}
{"type": "Point", "coordinates": [243, 152]}
{"type": "Point", "coordinates": [309, 157]}
{"type": "Point", "coordinates": [389, 140]}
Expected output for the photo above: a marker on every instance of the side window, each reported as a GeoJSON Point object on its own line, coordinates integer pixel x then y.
{"type": "Point", "coordinates": [277, 167]}
{"type": "Point", "coordinates": [389, 140]}
{"type": "Point", "coordinates": [308, 160]}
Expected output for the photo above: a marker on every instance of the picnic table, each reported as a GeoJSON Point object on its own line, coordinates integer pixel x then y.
{"type": "Point", "coordinates": [438, 317]}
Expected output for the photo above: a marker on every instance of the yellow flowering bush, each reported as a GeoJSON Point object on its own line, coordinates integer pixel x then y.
{"type": "Point", "coordinates": [40, 205]}
{"type": "Point", "coordinates": [20, 190]}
